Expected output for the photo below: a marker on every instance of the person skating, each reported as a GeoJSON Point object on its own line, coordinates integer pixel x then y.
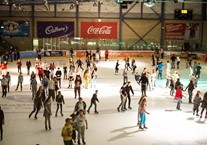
{"type": "Point", "coordinates": [173, 59]}
{"type": "Point", "coordinates": [204, 105]}
{"type": "Point", "coordinates": [2, 122]}
{"type": "Point", "coordinates": [80, 105]}
{"type": "Point", "coordinates": [139, 106]}
{"type": "Point", "coordinates": [70, 79]}
{"type": "Point", "coordinates": [38, 101]}
{"type": "Point", "coordinates": [144, 83]}
{"type": "Point", "coordinates": [65, 72]}
{"type": "Point", "coordinates": [28, 65]}
{"type": "Point", "coordinates": [19, 65]}
{"type": "Point", "coordinates": [58, 75]}
{"type": "Point", "coordinates": [51, 88]}
{"type": "Point", "coordinates": [128, 90]}
{"type": "Point", "coordinates": [117, 67]}
{"type": "Point", "coordinates": [178, 97]}
{"type": "Point", "coordinates": [143, 112]}
{"type": "Point", "coordinates": [94, 99]}
{"type": "Point", "coordinates": [125, 76]}
{"type": "Point", "coordinates": [4, 85]}
{"type": "Point", "coordinates": [196, 103]}
{"type": "Point", "coordinates": [47, 112]}
{"type": "Point", "coordinates": [67, 132]}
{"type": "Point", "coordinates": [60, 101]}
{"type": "Point", "coordinates": [123, 97]}
{"type": "Point", "coordinates": [190, 88]}
{"type": "Point", "coordinates": [20, 81]}
{"type": "Point", "coordinates": [82, 124]}
{"type": "Point", "coordinates": [77, 87]}
{"type": "Point", "coordinates": [33, 87]}
{"type": "Point", "coordinates": [134, 66]}
{"type": "Point", "coordinates": [45, 83]}
{"type": "Point", "coordinates": [79, 63]}
{"type": "Point", "coordinates": [8, 76]}
{"type": "Point", "coordinates": [75, 126]}
{"type": "Point", "coordinates": [198, 71]}
{"type": "Point", "coordinates": [160, 69]}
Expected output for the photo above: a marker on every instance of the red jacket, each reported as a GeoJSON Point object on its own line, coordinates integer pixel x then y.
{"type": "Point", "coordinates": [178, 94]}
{"type": "Point", "coordinates": [3, 66]}
{"type": "Point", "coordinates": [40, 71]}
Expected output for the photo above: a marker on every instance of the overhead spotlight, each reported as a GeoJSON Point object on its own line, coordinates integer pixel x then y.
{"type": "Point", "coordinates": [72, 6]}
{"type": "Point", "coordinates": [23, 10]}
{"type": "Point", "coordinates": [94, 4]}
{"type": "Point", "coordinates": [149, 3]}
{"type": "Point", "coordinates": [5, 2]}
{"type": "Point", "coordinates": [47, 7]}
{"type": "Point", "coordinates": [76, 2]}
{"type": "Point", "coordinates": [14, 6]}
{"type": "Point", "coordinates": [19, 7]}
{"type": "Point", "coordinates": [101, 2]}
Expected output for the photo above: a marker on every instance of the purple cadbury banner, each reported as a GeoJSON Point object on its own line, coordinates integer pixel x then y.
{"type": "Point", "coordinates": [55, 29]}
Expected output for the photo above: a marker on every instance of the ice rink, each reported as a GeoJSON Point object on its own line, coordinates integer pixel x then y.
{"type": "Point", "coordinates": [166, 125]}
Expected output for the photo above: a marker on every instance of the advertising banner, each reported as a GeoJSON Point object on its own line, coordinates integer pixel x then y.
{"type": "Point", "coordinates": [182, 31]}
{"type": "Point", "coordinates": [55, 29]}
{"type": "Point", "coordinates": [15, 28]}
{"type": "Point", "coordinates": [53, 53]}
{"type": "Point", "coordinates": [106, 30]}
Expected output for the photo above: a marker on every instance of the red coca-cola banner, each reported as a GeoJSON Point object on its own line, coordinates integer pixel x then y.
{"type": "Point", "coordinates": [106, 30]}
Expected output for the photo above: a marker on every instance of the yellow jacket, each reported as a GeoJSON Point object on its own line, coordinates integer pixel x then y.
{"type": "Point", "coordinates": [67, 132]}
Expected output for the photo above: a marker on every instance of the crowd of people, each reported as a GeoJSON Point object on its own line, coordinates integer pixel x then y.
{"type": "Point", "coordinates": [82, 74]}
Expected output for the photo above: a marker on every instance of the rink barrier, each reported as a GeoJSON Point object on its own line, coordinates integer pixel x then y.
{"type": "Point", "coordinates": [112, 53]}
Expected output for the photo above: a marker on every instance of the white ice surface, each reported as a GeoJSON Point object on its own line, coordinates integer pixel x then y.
{"type": "Point", "coordinates": [166, 125]}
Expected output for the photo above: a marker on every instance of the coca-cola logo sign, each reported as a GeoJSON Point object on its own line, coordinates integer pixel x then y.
{"type": "Point", "coordinates": [52, 29]}
{"type": "Point", "coordinates": [102, 30]}
{"type": "Point", "coordinates": [99, 30]}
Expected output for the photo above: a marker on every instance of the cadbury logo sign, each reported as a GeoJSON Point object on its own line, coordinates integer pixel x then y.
{"type": "Point", "coordinates": [102, 30]}
{"type": "Point", "coordinates": [55, 29]}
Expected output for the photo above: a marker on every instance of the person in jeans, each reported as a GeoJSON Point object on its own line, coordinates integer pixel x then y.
{"type": "Point", "coordinates": [67, 132]}
{"type": "Point", "coordinates": [128, 90]}
{"type": "Point", "coordinates": [47, 112]}
{"type": "Point", "coordinates": [80, 105]}
{"type": "Point", "coordinates": [45, 83]}
{"type": "Point", "coordinates": [125, 76]}
{"type": "Point", "coordinates": [82, 124]}
{"type": "Point", "coordinates": [20, 81]}
{"type": "Point", "coordinates": [1, 122]}
{"type": "Point", "coordinates": [94, 99]}
{"type": "Point", "coordinates": [123, 97]}
{"type": "Point", "coordinates": [58, 75]}
{"type": "Point", "coordinates": [144, 83]}
{"type": "Point", "coordinates": [204, 105]}
{"type": "Point", "coordinates": [143, 112]}
{"type": "Point", "coordinates": [190, 88]}
{"type": "Point", "coordinates": [51, 87]}
{"type": "Point", "coordinates": [60, 101]}
{"type": "Point", "coordinates": [77, 87]}
{"type": "Point", "coordinates": [38, 102]}
{"type": "Point", "coordinates": [4, 83]}
{"type": "Point", "coordinates": [33, 87]}
{"type": "Point", "coordinates": [9, 81]}
{"type": "Point", "coordinates": [196, 103]}
{"type": "Point", "coordinates": [28, 65]}
{"type": "Point", "coordinates": [178, 97]}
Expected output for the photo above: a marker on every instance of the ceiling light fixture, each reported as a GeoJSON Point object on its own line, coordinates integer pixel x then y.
{"type": "Point", "coordinates": [149, 3]}
{"type": "Point", "coordinates": [5, 2]}
{"type": "Point", "coordinates": [47, 7]}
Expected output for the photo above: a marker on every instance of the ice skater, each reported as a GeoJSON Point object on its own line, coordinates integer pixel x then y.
{"type": "Point", "coordinates": [94, 99]}
{"type": "Point", "coordinates": [196, 103]}
{"type": "Point", "coordinates": [143, 113]}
